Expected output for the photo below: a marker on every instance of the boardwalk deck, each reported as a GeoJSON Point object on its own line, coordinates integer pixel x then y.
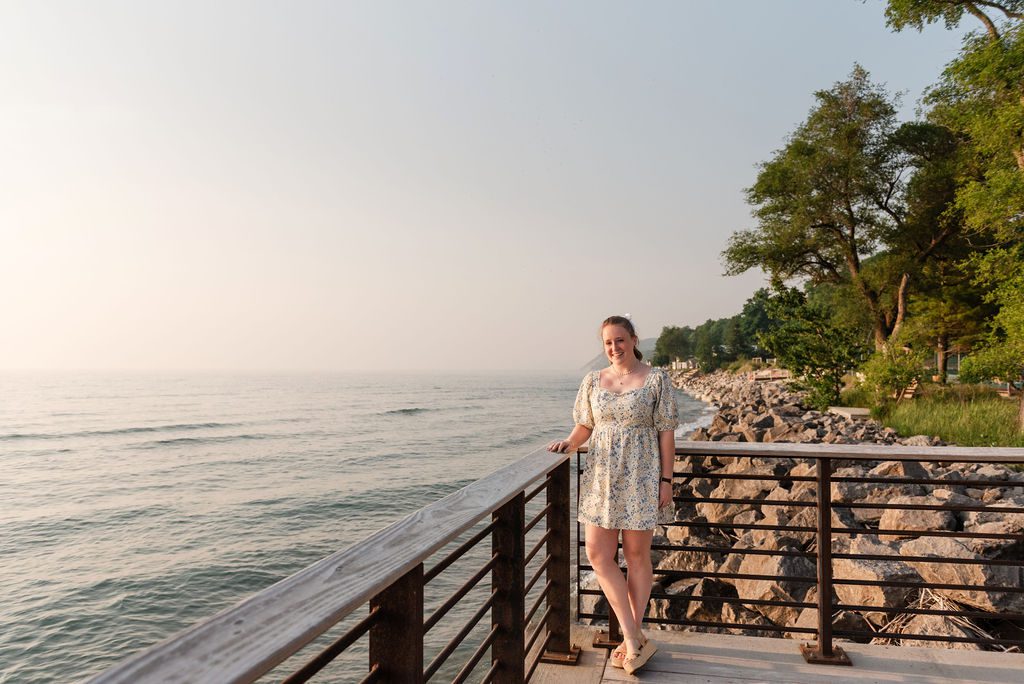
{"type": "Point", "coordinates": [719, 658]}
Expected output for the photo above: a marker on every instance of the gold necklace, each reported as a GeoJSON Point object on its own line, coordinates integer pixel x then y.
{"type": "Point", "coordinates": [629, 372]}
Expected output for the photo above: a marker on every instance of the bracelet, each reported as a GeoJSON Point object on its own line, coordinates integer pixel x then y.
{"type": "Point", "coordinates": [667, 479]}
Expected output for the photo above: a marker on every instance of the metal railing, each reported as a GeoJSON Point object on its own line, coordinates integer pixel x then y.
{"type": "Point", "coordinates": [819, 540]}
{"type": "Point", "coordinates": [529, 569]}
{"type": "Point", "coordinates": [387, 573]}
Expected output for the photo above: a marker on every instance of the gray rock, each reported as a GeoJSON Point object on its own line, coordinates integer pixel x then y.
{"type": "Point", "coordinates": [936, 625]}
{"type": "Point", "coordinates": [843, 620]}
{"type": "Point", "coordinates": [919, 520]}
{"type": "Point", "coordinates": [944, 548]}
{"type": "Point", "coordinates": [872, 570]}
{"type": "Point", "coordinates": [786, 590]}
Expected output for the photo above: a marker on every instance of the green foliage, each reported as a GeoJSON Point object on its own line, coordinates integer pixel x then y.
{"type": "Point", "coordinates": [891, 370]}
{"type": "Point", "coordinates": [673, 343]}
{"type": "Point", "coordinates": [979, 97]}
{"type": "Point", "coordinates": [967, 415]}
{"type": "Point", "coordinates": [855, 201]}
{"type": "Point", "coordinates": [808, 342]}
{"type": "Point", "coordinates": [817, 200]}
{"type": "Point", "coordinates": [1001, 273]}
{"type": "Point", "coordinates": [754, 317]}
{"type": "Point", "coordinates": [858, 396]}
{"type": "Point", "coordinates": [901, 14]}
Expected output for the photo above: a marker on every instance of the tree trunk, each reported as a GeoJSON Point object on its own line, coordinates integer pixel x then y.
{"type": "Point", "coordinates": [990, 26]}
{"type": "Point", "coordinates": [1020, 413]}
{"type": "Point", "coordinates": [941, 358]}
{"type": "Point", "coordinates": [901, 304]}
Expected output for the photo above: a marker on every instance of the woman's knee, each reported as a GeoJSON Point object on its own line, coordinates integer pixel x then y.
{"type": "Point", "coordinates": [637, 558]}
{"type": "Point", "coordinates": [636, 549]}
{"type": "Point", "coordinates": [601, 557]}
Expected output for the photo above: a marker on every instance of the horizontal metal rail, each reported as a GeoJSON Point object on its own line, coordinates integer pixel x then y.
{"type": "Point", "coordinates": [326, 656]}
{"type": "Point", "coordinates": [450, 647]}
{"type": "Point", "coordinates": [458, 553]}
{"type": "Point", "coordinates": [456, 596]}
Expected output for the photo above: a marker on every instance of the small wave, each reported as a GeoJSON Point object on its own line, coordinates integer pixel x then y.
{"type": "Point", "coordinates": [201, 440]}
{"type": "Point", "coordinates": [120, 431]}
{"type": "Point", "coordinates": [413, 410]}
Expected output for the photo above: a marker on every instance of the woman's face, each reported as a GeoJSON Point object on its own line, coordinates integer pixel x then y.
{"type": "Point", "coordinates": [618, 343]}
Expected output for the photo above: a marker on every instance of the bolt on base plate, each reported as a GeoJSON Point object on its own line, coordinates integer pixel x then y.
{"type": "Point", "coordinates": [601, 640]}
{"type": "Point", "coordinates": [558, 658]}
{"type": "Point", "coordinates": [810, 652]}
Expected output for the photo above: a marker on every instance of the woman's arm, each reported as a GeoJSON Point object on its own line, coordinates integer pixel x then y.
{"type": "Point", "coordinates": [667, 449]}
{"type": "Point", "coordinates": [579, 435]}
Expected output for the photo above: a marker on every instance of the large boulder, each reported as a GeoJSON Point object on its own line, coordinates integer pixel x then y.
{"type": "Point", "coordinates": [843, 620]}
{"type": "Point", "coordinates": [894, 570]}
{"type": "Point", "coordinates": [915, 519]}
{"type": "Point", "coordinates": [707, 609]}
{"type": "Point", "coordinates": [939, 572]}
{"type": "Point", "coordinates": [749, 490]}
{"type": "Point", "coordinates": [669, 609]}
{"type": "Point", "coordinates": [737, 614]}
{"type": "Point", "coordinates": [775, 589]}
{"type": "Point", "coordinates": [936, 625]}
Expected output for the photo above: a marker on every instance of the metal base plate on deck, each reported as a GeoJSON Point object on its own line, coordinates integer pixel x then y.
{"type": "Point", "coordinates": [559, 658]}
{"type": "Point", "coordinates": [601, 640]}
{"type": "Point", "coordinates": [809, 650]}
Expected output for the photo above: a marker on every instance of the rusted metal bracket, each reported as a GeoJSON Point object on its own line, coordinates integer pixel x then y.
{"type": "Point", "coordinates": [602, 640]}
{"type": "Point", "coordinates": [813, 655]}
{"type": "Point", "coordinates": [559, 658]}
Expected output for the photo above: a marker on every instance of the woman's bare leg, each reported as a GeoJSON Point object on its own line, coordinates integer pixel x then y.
{"type": "Point", "coordinates": [636, 547]}
{"type": "Point", "coordinates": [602, 552]}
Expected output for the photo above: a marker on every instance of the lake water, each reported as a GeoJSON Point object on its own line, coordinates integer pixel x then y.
{"type": "Point", "coordinates": [132, 506]}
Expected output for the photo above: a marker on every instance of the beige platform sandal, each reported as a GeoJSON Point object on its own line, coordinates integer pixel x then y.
{"type": "Point", "coordinates": [619, 654]}
{"type": "Point", "coordinates": [635, 662]}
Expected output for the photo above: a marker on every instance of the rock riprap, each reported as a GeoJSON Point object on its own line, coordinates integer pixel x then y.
{"type": "Point", "coordinates": [770, 412]}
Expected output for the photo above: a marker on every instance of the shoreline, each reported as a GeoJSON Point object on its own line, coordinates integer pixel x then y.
{"type": "Point", "coordinates": [767, 411]}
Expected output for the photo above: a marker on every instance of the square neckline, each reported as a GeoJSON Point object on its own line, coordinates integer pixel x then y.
{"type": "Point", "coordinates": [620, 394]}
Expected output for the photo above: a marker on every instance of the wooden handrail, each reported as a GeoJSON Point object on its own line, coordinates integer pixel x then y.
{"type": "Point", "coordinates": [249, 639]}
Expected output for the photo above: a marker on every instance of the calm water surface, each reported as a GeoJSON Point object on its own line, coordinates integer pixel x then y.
{"type": "Point", "coordinates": [132, 506]}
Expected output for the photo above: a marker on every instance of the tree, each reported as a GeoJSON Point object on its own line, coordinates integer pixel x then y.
{"type": "Point", "coordinates": [981, 96]}
{"type": "Point", "coordinates": [706, 340]}
{"type": "Point", "coordinates": [733, 340]}
{"type": "Point", "coordinates": [809, 344]}
{"type": "Point", "coordinates": [900, 14]}
{"type": "Point", "coordinates": [674, 342]}
{"type": "Point", "coordinates": [834, 195]}
{"type": "Point", "coordinates": [1001, 272]}
{"type": "Point", "coordinates": [754, 318]}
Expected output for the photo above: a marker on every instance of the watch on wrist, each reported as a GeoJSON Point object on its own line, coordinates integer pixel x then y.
{"type": "Point", "coordinates": [667, 479]}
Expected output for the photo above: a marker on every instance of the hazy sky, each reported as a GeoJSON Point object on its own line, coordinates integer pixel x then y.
{"type": "Point", "coordinates": [378, 185]}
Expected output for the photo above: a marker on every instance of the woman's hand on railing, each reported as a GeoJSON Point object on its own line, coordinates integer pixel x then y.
{"type": "Point", "coordinates": [562, 446]}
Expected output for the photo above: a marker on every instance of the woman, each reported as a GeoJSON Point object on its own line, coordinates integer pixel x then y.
{"type": "Point", "coordinates": [628, 411]}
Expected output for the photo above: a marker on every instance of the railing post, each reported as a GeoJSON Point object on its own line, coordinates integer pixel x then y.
{"type": "Point", "coordinates": [560, 647]}
{"type": "Point", "coordinates": [396, 638]}
{"type": "Point", "coordinates": [824, 652]}
{"type": "Point", "coordinates": [509, 578]}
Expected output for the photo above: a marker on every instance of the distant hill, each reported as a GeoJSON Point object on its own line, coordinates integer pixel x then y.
{"type": "Point", "coordinates": [600, 361]}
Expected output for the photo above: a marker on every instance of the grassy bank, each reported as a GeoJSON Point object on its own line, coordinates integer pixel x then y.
{"type": "Point", "coordinates": [961, 414]}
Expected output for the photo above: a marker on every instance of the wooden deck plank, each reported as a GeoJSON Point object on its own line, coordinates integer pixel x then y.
{"type": "Point", "coordinates": [719, 659]}
{"type": "Point", "coordinates": [589, 669]}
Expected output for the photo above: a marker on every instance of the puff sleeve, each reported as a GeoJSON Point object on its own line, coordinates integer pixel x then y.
{"type": "Point", "coordinates": [582, 413]}
{"type": "Point", "coordinates": [666, 413]}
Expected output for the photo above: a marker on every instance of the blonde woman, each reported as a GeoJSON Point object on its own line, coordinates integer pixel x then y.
{"type": "Point", "coordinates": [628, 412]}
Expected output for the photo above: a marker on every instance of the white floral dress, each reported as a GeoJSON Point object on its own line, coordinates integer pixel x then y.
{"type": "Point", "coordinates": [619, 485]}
